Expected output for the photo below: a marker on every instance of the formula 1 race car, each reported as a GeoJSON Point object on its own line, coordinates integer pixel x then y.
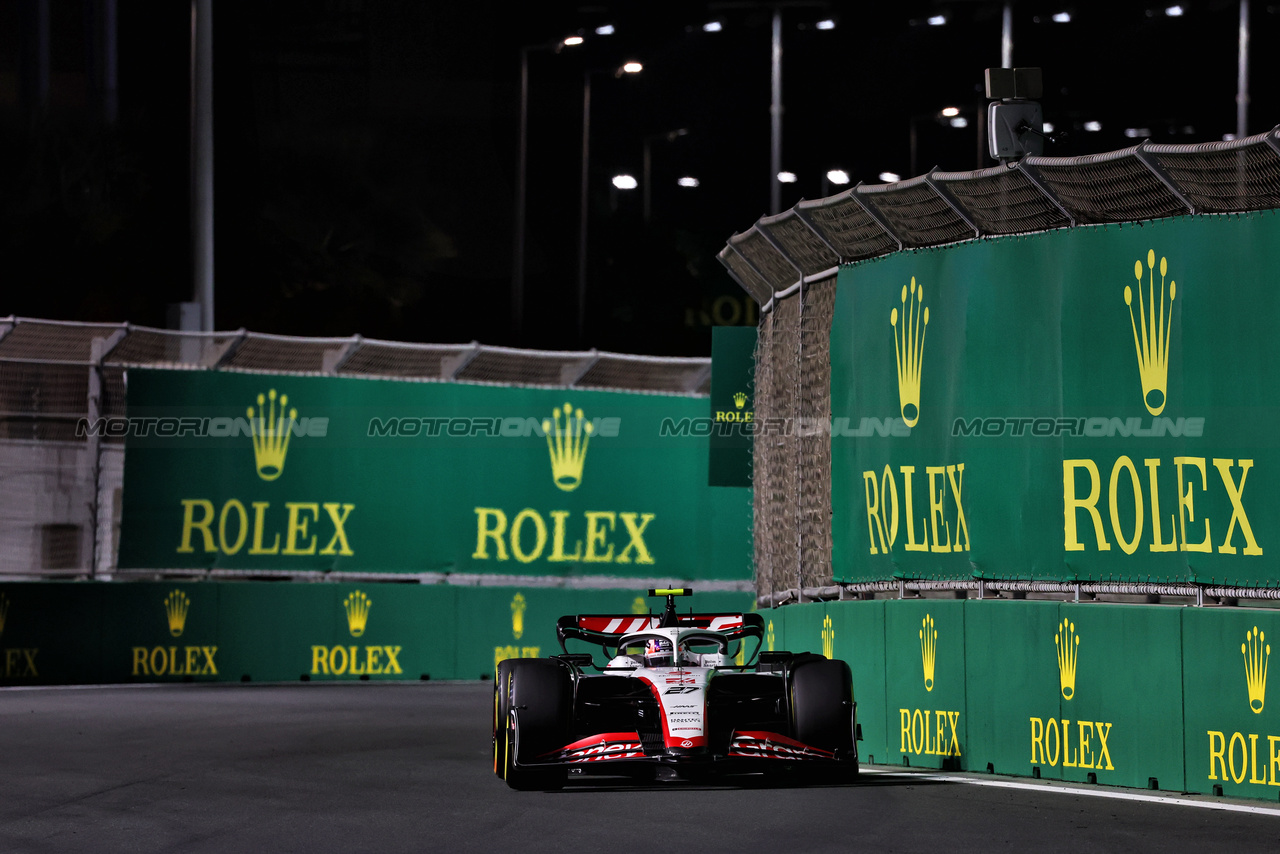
{"type": "Point", "coordinates": [672, 704]}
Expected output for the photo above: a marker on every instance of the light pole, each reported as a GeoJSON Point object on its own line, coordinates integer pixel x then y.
{"type": "Point", "coordinates": [775, 114]}
{"type": "Point", "coordinates": [627, 68]}
{"type": "Point", "coordinates": [202, 159]}
{"type": "Point", "coordinates": [647, 176]}
{"type": "Point", "coordinates": [1242, 74]}
{"type": "Point", "coordinates": [775, 90]}
{"type": "Point", "coordinates": [522, 179]}
{"type": "Point", "coordinates": [1006, 35]}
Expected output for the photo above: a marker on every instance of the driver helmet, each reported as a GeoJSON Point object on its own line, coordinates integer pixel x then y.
{"type": "Point", "coordinates": [657, 652]}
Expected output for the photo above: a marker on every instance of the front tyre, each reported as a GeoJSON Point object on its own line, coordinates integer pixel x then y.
{"type": "Point", "coordinates": [541, 695]}
{"type": "Point", "coordinates": [822, 710]}
{"type": "Point", "coordinates": [501, 716]}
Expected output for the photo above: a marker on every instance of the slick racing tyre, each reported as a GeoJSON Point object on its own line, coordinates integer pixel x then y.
{"type": "Point", "coordinates": [501, 715]}
{"type": "Point", "coordinates": [822, 708]}
{"type": "Point", "coordinates": [541, 696]}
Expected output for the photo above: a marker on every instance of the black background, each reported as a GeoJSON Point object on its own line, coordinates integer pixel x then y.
{"type": "Point", "coordinates": [366, 149]}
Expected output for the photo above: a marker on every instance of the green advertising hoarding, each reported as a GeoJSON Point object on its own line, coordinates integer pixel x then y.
{"type": "Point", "coordinates": [1121, 717]}
{"type": "Point", "coordinates": [1093, 403]}
{"type": "Point", "coordinates": [1084, 693]}
{"type": "Point", "coordinates": [284, 473]}
{"type": "Point", "coordinates": [1125, 695]}
{"type": "Point", "coordinates": [265, 631]}
{"type": "Point", "coordinates": [1232, 725]}
{"type": "Point", "coordinates": [733, 363]}
{"type": "Point", "coordinates": [926, 684]}
{"type": "Point", "coordinates": [1014, 646]}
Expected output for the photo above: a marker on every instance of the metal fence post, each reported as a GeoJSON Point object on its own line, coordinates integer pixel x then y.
{"type": "Point", "coordinates": [98, 350]}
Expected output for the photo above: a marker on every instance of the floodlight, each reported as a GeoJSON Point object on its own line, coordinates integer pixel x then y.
{"type": "Point", "coordinates": [1015, 125]}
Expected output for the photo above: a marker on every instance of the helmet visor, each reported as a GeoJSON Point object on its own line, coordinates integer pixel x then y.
{"type": "Point", "coordinates": [658, 653]}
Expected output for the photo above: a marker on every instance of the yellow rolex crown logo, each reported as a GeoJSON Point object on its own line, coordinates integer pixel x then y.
{"type": "Point", "coordinates": [357, 607]}
{"type": "Point", "coordinates": [1068, 645]}
{"type": "Point", "coordinates": [1151, 331]}
{"type": "Point", "coordinates": [928, 650]}
{"type": "Point", "coordinates": [517, 615]}
{"type": "Point", "coordinates": [739, 400]}
{"type": "Point", "coordinates": [639, 607]}
{"type": "Point", "coordinates": [567, 435]}
{"type": "Point", "coordinates": [908, 346]}
{"type": "Point", "coordinates": [176, 605]}
{"type": "Point", "coordinates": [1256, 657]}
{"type": "Point", "coordinates": [769, 636]}
{"type": "Point", "coordinates": [828, 638]}
{"type": "Point", "coordinates": [271, 430]}
{"type": "Point", "coordinates": [4, 611]}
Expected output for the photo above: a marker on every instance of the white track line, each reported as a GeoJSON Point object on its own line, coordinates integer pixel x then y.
{"type": "Point", "coordinates": [1090, 793]}
{"type": "Point", "coordinates": [108, 686]}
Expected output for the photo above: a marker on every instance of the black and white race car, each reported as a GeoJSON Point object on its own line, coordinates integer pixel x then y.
{"type": "Point", "coordinates": [671, 704]}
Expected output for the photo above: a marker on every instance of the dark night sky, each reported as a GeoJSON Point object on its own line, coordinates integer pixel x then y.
{"type": "Point", "coordinates": [366, 149]}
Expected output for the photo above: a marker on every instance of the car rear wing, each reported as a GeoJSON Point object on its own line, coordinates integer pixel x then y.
{"type": "Point", "coordinates": [608, 629]}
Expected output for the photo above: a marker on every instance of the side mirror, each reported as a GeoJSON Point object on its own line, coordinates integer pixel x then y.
{"type": "Point", "coordinates": [577, 659]}
{"type": "Point", "coordinates": [773, 662]}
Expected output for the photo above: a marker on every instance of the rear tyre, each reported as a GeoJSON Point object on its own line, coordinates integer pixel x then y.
{"type": "Point", "coordinates": [822, 711]}
{"type": "Point", "coordinates": [541, 695]}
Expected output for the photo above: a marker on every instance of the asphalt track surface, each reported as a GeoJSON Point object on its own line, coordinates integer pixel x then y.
{"type": "Point", "coordinates": [360, 767]}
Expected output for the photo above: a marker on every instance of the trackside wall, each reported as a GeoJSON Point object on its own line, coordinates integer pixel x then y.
{"type": "Point", "coordinates": [1083, 404]}
{"type": "Point", "coordinates": [1122, 694]}
{"type": "Point", "coordinates": [254, 473]}
{"type": "Point", "coordinates": [1125, 695]}
{"type": "Point", "coordinates": [120, 632]}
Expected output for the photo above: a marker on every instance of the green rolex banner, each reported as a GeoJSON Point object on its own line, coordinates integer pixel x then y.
{"type": "Point", "coordinates": [733, 362]}
{"type": "Point", "coordinates": [1090, 403]}
{"type": "Point", "coordinates": [261, 472]}
{"type": "Point", "coordinates": [263, 631]}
